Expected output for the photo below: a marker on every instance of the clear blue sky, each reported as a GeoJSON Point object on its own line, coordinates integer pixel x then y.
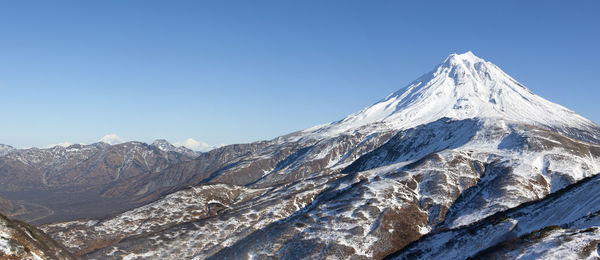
{"type": "Point", "coordinates": [240, 71]}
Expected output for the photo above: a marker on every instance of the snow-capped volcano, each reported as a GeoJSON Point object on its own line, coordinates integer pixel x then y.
{"type": "Point", "coordinates": [463, 86]}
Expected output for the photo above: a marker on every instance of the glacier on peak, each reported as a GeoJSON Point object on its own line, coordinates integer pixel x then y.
{"type": "Point", "coordinates": [463, 86]}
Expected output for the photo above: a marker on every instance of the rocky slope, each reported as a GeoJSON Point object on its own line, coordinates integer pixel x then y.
{"type": "Point", "coordinates": [62, 183]}
{"type": "Point", "coordinates": [19, 240]}
{"type": "Point", "coordinates": [563, 225]}
{"type": "Point", "coordinates": [459, 145]}
{"type": "Point", "coordinates": [260, 164]}
{"type": "Point", "coordinates": [371, 213]}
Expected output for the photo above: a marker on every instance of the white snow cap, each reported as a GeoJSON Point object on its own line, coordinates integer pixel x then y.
{"type": "Point", "coordinates": [196, 145]}
{"type": "Point", "coordinates": [112, 139]}
{"type": "Point", "coordinates": [463, 86]}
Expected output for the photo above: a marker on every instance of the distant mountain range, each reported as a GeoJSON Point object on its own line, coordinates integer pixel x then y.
{"type": "Point", "coordinates": [62, 183]}
{"type": "Point", "coordinates": [463, 162]}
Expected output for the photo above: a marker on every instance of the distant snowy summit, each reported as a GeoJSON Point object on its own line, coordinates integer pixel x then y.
{"type": "Point", "coordinates": [463, 86]}
{"type": "Point", "coordinates": [198, 146]}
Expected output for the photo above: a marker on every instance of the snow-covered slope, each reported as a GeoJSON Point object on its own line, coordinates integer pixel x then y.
{"type": "Point", "coordinates": [439, 175]}
{"type": "Point", "coordinates": [564, 225]}
{"type": "Point", "coordinates": [5, 149]}
{"type": "Point", "coordinates": [462, 87]}
{"type": "Point", "coordinates": [19, 240]}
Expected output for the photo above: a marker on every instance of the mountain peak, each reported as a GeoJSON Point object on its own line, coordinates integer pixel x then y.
{"type": "Point", "coordinates": [463, 86]}
{"type": "Point", "coordinates": [163, 145]}
{"type": "Point", "coordinates": [456, 58]}
{"type": "Point", "coordinates": [467, 66]}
